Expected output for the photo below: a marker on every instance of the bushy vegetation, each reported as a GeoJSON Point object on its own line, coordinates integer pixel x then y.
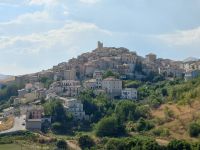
{"type": "Point", "coordinates": [86, 142]}
{"type": "Point", "coordinates": [139, 142]}
{"type": "Point", "coordinates": [144, 125]}
{"type": "Point", "coordinates": [62, 144]}
{"type": "Point", "coordinates": [109, 126]}
{"type": "Point", "coordinates": [97, 106]}
{"type": "Point", "coordinates": [46, 81]}
{"type": "Point", "coordinates": [109, 73]}
{"type": "Point", "coordinates": [194, 129]}
{"type": "Point", "coordinates": [7, 91]}
{"type": "Point", "coordinates": [61, 120]}
{"type": "Point", "coordinates": [163, 132]}
{"type": "Point", "coordinates": [179, 145]}
{"type": "Point", "coordinates": [185, 92]}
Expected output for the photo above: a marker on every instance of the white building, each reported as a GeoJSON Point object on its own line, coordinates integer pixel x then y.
{"type": "Point", "coordinates": [66, 88]}
{"type": "Point", "coordinates": [129, 93]}
{"type": "Point", "coordinates": [112, 86]}
{"type": "Point", "coordinates": [75, 107]}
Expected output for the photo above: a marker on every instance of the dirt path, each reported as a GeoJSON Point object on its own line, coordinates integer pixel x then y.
{"type": "Point", "coordinates": [162, 142]}
{"type": "Point", "coordinates": [73, 145]}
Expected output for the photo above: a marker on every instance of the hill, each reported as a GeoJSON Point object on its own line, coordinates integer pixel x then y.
{"type": "Point", "coordinates": [2, 77]}
{"type": "Point", "coordinates": [180, 107]}
{"type": "Point", "coordinates": [190, 59]}
{"type": "Point", "coordinates": [6, 78]}
{"type": "Point", "coordinates": [177, 125]}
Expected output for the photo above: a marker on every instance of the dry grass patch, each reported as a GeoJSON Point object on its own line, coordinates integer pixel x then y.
{"type": "Point", "coordinates": [183, 116]}
{"type": "Point", "coordinates": [7, 123]}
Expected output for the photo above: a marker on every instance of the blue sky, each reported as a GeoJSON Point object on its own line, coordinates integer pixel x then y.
{"type": "Point", "coordinates": [37, 34]}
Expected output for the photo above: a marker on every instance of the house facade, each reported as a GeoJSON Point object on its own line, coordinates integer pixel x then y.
{"type": "Point", "coordinates": [75, 107]}
{"type": "Point", "coordinates": [129, 93]}
{"type": "Point", "coordinates": [112, 86]}
{"type": "Point", "coordinates": [34, 118]}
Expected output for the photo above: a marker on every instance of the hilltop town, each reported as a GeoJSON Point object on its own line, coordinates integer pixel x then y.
{"type": "Point", "coordinates": [88, 72]}
{"type": "Point", "coordinates": [119, 60]}
{"type": "Point", "coordinates": [106, 73]}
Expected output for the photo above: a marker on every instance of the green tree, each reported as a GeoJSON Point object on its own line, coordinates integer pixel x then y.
{"type": "Point", "coordinates": [109, 126]}
{"type": "Point", "coordinates": [125, 111]}
{"type": "Point", "coordinates": [62, 144]}
{"type": "Point", "coordinates": [109, 73]}
{"type": "Point", "coordinates": [86, 142]}
{"type": "Point", "coordinates": [55, 109]}
{"type": "Point", "coordinates": [144, 125]}
{"type": "Point", "coordinates": [179, 145]}
{"type": "Point", "coordinates": [61, 120]}
{"type": "Point", "coordinates": [194, 129]}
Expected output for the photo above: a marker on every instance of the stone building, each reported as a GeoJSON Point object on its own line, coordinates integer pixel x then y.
{"type": "Point", "coordinates": [70, 74]}
{"type": "Point", "coordinates": [151, 57]}
{"type": "Point", "coordinates": [34, 118]}
{"type": "Point", "coordinates": [112, 86]}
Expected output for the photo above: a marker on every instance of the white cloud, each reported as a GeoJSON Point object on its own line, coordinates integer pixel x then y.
{"type": "Point", "coordinates": [182, 38]}
{"type": "Point", "coordinates": [43, 50]}
{"type": "Point", "coordinates": [43, 2]}
{"type": "Point", "coordinates": [34, 43]}
{"type": "Point", "coordinates": [89, 1]}
{"type": "Point", "coordinates": [38, 40]}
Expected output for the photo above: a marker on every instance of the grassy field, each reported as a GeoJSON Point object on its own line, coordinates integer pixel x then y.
{"type": "Point", "coordinates": [10, 147]}
{"type": "Point", "coordinates": [24, 147]}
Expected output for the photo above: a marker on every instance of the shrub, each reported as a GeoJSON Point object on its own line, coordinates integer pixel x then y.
{"type": "Point", "coordinates": [194, 129]}
{"type": "Point", "coordinates": [179, 145]}
{"type": "Point", "coordinates": [109, 127]}
{"type": "Point", "coordinates": [86, 142]}
{"type": "Point", "coordinates": [115, 144]}
{"type": "Point", "coordinates": [144, 125]}
{"type": "Point", "coordinates": [161, 132]}
{"type": "Point", "coordinates": [134, 143]}
{"type": "Point", "coordinates": [168, 113]}
{"type": "Point", "coordinates": [57, 127]}
{"type": "Point", "coordinates": [62, 144]}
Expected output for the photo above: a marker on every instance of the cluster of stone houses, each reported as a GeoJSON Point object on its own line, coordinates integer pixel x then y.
{"type": "Point", "coordinates": [67, 88]}
{"type": "Point", "coordinates": [192, 69]}
{"type": "Point", "coordinates": [110, 85]}
{"type": "Point", "coordinates": [119, 60]}
{"type": "Point", "coordinates": [31, 92]}
{"type": "Point", "coordinates": [86, 72]}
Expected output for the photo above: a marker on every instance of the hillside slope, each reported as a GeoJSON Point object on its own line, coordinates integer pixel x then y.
{"type": "Point", "coordinates": [183, 115]}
